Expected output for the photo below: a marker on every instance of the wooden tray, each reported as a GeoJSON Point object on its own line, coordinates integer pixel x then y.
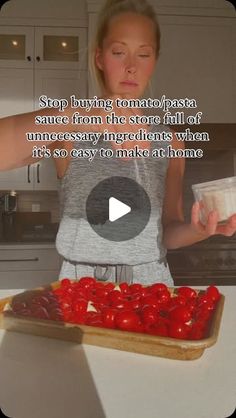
{"type": "Point", "coordinates": [121, 340]}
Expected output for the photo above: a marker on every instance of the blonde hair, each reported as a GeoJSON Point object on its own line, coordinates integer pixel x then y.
{"type": "Point", "coordinates": [110, 9]}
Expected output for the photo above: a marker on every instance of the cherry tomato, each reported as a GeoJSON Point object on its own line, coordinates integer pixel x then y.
{"type": "Point", "coordinates": [135, 303]}
{"type": "Point", "coordinates": [121, 304]}
{"type": "Point", "coordinates": [204, 300]}
{"type": "Point", "coordinates": [124, 287]}
{"type": "Point", "coordinates": [163, 296]}
{"type": "Point", "coordinates": [109, 286]}
{"type": "Point", "coordinates": [213, 293]}
{"type": "Point", "coordinates": [159, 328]}
{"type": "Point", "coordinates": [158, 288]}
{"type": "Point", "coordinates": [150, 300]}
{"type": "Point", "coordinates": [187, 292]}
{"type": "Point", "coordinates": [87, 282]}
{"type": "Point", "coordinates": [80, 306]}
{"type": "Point", "coordinates": [115, 296]}
{"type": "Point", "coordinates": [127, 320]}
{"type": "Point", "coordinates": [108, 317]}
{"type": "Point", "coordinates": [135, 288]}
{"type": "Point", "coordinates": [149, 314]}
{"type": "Point", "coordinates": [178, 329]}
{"type": "Point", "coordinates": [65, 282]}
{"type": "Point", "coordinates": [181, 314]}
{"type": "Point", "coordinates": [196, 332]}
{"type": "Point", "coordinates": [94, 320]}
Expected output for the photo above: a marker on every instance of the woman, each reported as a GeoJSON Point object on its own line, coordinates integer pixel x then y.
{"type": "Point", "coordinates": [124, 56]}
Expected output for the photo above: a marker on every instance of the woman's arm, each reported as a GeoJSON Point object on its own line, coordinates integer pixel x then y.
{"type": "Point", "coordinates": [176, 233]}
{"type": "Point", "coordinates": [15, 150]}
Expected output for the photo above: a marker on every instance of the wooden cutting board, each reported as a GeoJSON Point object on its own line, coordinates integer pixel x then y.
{"type": "Point", "coordinates": [111, 338]}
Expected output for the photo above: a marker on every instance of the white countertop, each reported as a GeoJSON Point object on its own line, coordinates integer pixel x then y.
{"type": "Point", "coordinates": [57, 379]}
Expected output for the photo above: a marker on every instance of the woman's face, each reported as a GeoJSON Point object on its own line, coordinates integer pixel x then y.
{"type": "Point", "coordinates": [128, 56]}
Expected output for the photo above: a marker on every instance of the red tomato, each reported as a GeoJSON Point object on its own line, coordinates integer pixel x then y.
{"type": "Point", "coordinates": [101, 293]}
{"type": "Point", "coordinates": [108, 317]}
{"type": "Point", "coordinates": [149, 314]}
{"type": "Point", "coordinates": [191, 305]}
{"type": "Point", "coordinates": [127, 320]}
{"type": "Point", "coordinates": [203, 314]}
{"type": "Point", "coordinates": [65, 282]}
{"type": "Point", "coordinates": [158, 288]}
{"type": "Point", "coordinates": [87, 282]}
{"type": "Point", "coordinates": [124, 287]}
{"type": "Point", "coordinates": [150, 300]}
{"type": "Point", "coordinates": [204, 300]}
{"type": "Point", "coordinates": [213, 293]}
{"type": "Point", "coordinates": [159, 328]}
{"type": "Point", "coordinates": [80, 306]}
{"type": "Point", "coordinates": [94, 320]}
{"type": "Point", "coordinates": [109, 286]}
{"type": "Point", "coordinates": [145, 291]}
{"type": "Point", "coordinates": [180, 313]}
{"type": "Point", "coordinates": [121, 304]}
{"type": "Point", "coordinates": [163, 296]}
{"type": "Point", "coordinates": [135, 288]}
{"type": "Point", "coordinates": [196, 332]}
{"type": "Point", "coordinates": [187, 292]}
{"type": "Point", "coordinates": [135, 303]}
{"type": "Point", "coordinates": [178, 329]}
{"type": "Point", "coordinates": [115, 296]}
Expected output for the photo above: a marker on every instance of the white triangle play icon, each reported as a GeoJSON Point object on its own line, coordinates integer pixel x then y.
{"type": "Point", "coordinates": [117, 209]}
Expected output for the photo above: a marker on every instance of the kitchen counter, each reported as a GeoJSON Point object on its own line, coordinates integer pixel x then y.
{"type": "Point", "coordinates": [26, 245]}
{"type": "Point", "coordinates": [52, 378]}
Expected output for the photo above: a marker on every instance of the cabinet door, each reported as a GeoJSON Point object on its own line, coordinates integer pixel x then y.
{"type": "Point", "coordinates": [61, 48]}
{"type": "Point", "coordinates": [44, 174]}
{"type": "Point", "coordinates": [17, 179]}
{"type": "Point", "coordinates": [60, 84]}
{"type": "Point", "coordinates": [16, 96]}
{"type": "Point", "coordinates": [16, 47]}
{"type": "Point", "coordinates": [16, 91]}
{"type": "Point", "coordinates": [198, 61]}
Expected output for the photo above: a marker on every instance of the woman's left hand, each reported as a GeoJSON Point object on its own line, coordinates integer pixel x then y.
{"type": "Point", "coordinates": [212, 226]}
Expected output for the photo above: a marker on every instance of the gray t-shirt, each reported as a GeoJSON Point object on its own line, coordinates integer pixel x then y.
{"type": "Point", "coordinates": [84, 251]}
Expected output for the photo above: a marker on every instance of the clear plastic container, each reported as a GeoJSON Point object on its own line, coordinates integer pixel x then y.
{"type": "Point", "coordinates": [217, 195]}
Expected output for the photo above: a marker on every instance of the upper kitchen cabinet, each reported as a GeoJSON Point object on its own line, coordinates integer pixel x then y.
{"type": "Point", "coordinates": [43, 51]}
{"type": "Point", "coordinates": [198, 61]}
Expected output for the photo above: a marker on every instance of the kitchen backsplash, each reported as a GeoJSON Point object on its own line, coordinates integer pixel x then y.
{"type": "Point", "coordinates": [40, 201]}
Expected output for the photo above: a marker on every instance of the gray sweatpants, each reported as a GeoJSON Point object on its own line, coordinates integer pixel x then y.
{"type": "Point", "coordinates": [147, 273]}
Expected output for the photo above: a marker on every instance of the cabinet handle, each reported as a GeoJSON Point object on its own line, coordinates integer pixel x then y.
{"type": "Point", "coordinates": [28, 58]}
{"type": "Point", "coordinates": [20, 259]}
{"type": "Point", "coordinates": [38, 179]}
{"type": "Point", "coordinates": [38, 58]}
{"type": "Point", "coordinates": [28, 174]}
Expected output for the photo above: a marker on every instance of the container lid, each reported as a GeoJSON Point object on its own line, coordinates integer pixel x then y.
{"type": "Point", "coordinates": [225, 182]}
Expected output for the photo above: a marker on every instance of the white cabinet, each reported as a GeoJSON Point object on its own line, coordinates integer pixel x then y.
{"type": "Point", "coordinates": [37, 61]}
{"type": "Point", "coordinates": [27, 267]}
{"type": "Point", "coordinates": [198, 61]}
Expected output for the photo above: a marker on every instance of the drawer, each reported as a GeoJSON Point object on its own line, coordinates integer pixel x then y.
{"type": "Point", "coordinates": [29, 259]}
{"type": "Point", "coordinates": [27, 279]}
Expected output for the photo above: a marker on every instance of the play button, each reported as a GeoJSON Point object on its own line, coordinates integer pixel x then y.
{"type": "Point", "coordinates": [118, 208]}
